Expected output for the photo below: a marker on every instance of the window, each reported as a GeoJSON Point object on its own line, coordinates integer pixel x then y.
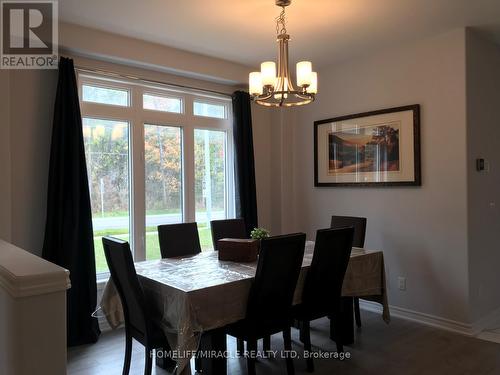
{"type": "Point", "coordinates": [161, 103]}
{"type": "Point", "coordinates": [105, 95]}
{"type": "Point", "coordinates": [163, 172]}
{"type": "Point", "coordinates": [209, 110]}
{"type": "Point", "coordinates": [210, 180]}
{"type": "Point", "coordinates": [154, 156]}
{"type": "Point", "coordinates": [107, 152]}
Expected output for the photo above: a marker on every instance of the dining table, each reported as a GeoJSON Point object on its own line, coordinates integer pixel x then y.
{"type": "Point", "coordinates": [192, 298]}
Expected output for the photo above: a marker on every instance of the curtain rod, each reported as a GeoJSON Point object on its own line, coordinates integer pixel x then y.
{"type": "Point", "coordinates": [146, 80]}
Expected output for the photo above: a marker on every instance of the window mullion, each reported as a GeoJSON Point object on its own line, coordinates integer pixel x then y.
{"type": "Point", "coordinates": [230, 202]}
{"type": "Point", "coordinates": [138, 216]}
{"type": "Point", "coordinates": [188, 160]}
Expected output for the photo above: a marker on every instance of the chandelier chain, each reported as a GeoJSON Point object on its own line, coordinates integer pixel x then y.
{"type": "Point", "coordinates": [281, 22]}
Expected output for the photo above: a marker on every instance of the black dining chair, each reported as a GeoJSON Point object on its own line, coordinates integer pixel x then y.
{"type": "Point", "coordinates": [179, 240]}
{"type": "Point", "coordinates": [138, 318]}
{"type": "Point", "coordinates": [269, 306]}
{"type": "Point", "coordinates": [359, 224]}
{"type": "Point", "coordinates": [322, 291]}
{"type": "Point", "coordinates": [233, 228]}
{"type": "Point", "coordinates": [230, 228]}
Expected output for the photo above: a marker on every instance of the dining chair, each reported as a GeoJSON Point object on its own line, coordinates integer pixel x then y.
{"type": "Point", "coordinates": [179, 240]}
{"type": "Point", "coordinates": [322, 291]}
{"type": "Point", "coordinates": [233, 228]}
{"type": "Point", "coordinates": [138, 320]}
{"type": "Point", "coordinates": [269, 306]}
{"type": "Point", "coordinates": [230, 228]}
{"type": "Point", "coordinates": [359, 224]}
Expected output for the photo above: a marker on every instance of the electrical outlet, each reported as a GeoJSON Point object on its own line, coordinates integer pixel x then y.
{"type": "Point", "coordinates": [402, 283]}
{"type": "Point", "coordinates": [482, 165]}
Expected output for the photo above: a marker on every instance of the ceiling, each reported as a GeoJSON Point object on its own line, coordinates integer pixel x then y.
{"type": "Point", "coordinates": [323, 31]}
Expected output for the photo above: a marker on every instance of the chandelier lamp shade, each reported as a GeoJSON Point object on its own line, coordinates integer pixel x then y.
{"type": "Point", "coordinates": [273, 85]}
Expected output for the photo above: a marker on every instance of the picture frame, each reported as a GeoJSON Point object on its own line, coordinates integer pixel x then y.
{"type": "Point", "coordinates": [376, 148]}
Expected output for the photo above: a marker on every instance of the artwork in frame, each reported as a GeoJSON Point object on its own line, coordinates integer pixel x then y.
{"type": "Point", "coordinates": [378, 148]}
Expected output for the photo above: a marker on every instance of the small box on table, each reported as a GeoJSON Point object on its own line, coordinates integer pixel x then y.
{"type": "Point", "coordinates": [238, 249]}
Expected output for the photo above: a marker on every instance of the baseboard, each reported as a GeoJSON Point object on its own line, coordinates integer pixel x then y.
{"type": "Point", "coordinates": [423, 318]}
{"type": "Point", "coordinates": [490, 321]}
{"type": "Point", "coordinates": [492, 336]}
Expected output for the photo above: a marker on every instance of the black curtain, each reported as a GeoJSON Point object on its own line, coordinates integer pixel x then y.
{"type": "Point", "coordinates": [68, 231]}
{"type": "Point", "coordinates": [246, 196]}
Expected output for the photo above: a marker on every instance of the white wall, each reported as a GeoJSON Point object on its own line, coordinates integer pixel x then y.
{"type": "Point", "coordinates": [483, 141]}
{"type": "Point", "coordinates": [422, 230]}
{"type": "Point", "coordinates": [5, 198]}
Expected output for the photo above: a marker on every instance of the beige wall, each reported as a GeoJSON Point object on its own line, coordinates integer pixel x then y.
{"type": "Point", "coordinates": [483, 141]}
{"type": "Point", "coordinates": [32, 95]}
{"type": "Point", "coordinates": [261, 127]}
{"type": "Point", "coordinates": [422, 230]}
{"type": "Point", "coordinates": [107, 46]}
{"type": "Point", "coordinates": [283, 155]}
{"type": "Point", "coordinates": [5, 198]}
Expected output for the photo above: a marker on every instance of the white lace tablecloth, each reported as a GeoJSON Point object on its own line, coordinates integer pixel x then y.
{"type": "Point", "coordinates": [189, 295]}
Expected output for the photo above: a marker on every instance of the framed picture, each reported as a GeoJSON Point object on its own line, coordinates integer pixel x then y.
{"type": "Point", "coordinates": [379, 148]}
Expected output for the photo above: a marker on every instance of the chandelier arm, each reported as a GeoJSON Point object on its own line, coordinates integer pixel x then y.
{"type": "Point", "coordinates": [282, 100]}
{"type": "Point", "coordinates": [283, 104]}
{"type": "Point", "coordinates": [264, 96]}
{"type": "Point", "coordinates": [279, 82]}
{"type": "Point", "coordinates": [294, 104]}
{"type": "Point", "coordinates": [305, 95]}
{"type": "Point", "coordinates": [292, 92]}
{"type": "Point", "coordinates": [287, 75]}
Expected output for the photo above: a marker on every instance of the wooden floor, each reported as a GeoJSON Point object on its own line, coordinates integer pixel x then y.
{"type": "Point", "coordinates": [402, 348]}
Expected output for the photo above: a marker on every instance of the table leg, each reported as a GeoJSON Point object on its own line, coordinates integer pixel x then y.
{"type": "Point", "coordinates": [347, 319]}
{"type": "Point", "coordinates": [214, 341]}
{"type": "Point", "coordinates": [346, 322]}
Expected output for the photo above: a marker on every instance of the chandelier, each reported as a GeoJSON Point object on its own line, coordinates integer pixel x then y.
{"type": "Point", "coordinates": [277, 90]}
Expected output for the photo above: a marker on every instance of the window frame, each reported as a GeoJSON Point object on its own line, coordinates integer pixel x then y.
{"type": "Point", "coordinates": [137, 117]}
